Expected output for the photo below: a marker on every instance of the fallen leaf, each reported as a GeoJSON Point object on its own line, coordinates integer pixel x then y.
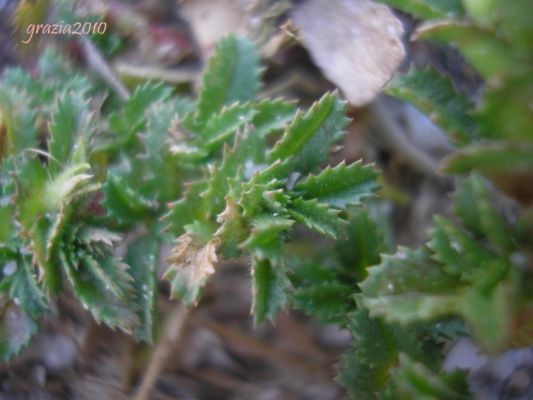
{"type": "Point", "coordinates": [211, 20]}
{"type": "Point", "coordinates": [356, 43]}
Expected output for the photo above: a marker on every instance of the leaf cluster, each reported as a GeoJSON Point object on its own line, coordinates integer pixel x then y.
{"type": "Point", "coordinates": [252, 193]}
{"type": "Point", "coordinates": [473, 276]}
{"type": "Point", "coordinates": [224, 175]}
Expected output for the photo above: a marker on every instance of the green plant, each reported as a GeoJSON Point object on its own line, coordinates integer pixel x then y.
{"type": "Point", "coordinates": [473, 277]}
{"type": "Point", "coordinates": [230, 175]}
{"type": "Point", "coordinates": [80, 169]}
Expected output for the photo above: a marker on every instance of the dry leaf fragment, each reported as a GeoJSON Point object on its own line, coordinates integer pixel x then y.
{"type": "Point", "coordinates": [190, 266]}
{"type": "Point", "coordinates": [356, 43]}
{"type": "Point", "coordinates": [211, 20]}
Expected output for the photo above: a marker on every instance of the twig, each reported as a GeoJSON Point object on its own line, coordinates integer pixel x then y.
{"type": "Point", "coordinates": [120, 388]}
{"type": "Point", "coordinates": [260, 349]}
{"type": "Point", "coordinates": [170, 336]}
{"type": "Point", "coordinates": [97, 62]}
{"type": "Point", "coordinates": [392, 137]}
{"type": "Point", "coordinates": [146, 73]}
{"type": "Point", "coordinates": [225, 381]}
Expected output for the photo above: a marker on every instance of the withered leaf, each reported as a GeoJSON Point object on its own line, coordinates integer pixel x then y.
{"type": "Point", "coordinates": [190, 266]}
{"type": "Point", "coordinates": [356, 43]}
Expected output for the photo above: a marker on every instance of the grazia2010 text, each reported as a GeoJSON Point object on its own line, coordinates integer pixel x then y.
{"type": "Point", "coordinates": [75, 29]}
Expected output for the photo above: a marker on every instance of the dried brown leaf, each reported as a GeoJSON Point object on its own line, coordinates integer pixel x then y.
{"type": "Point", "coordinates": [356, 43]}
{"type": "Point", "coordinates": [190, 266]}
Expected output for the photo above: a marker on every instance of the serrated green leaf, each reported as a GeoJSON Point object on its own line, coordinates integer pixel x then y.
{"type": "Point", "coordinates": [188, 153]}
{"type": "Point", "coordinates": [339, 186]}
{"type": "Point", "coordinates": [308, 139]}
{"type": "Point", "coordinates": [108, 270]}
{"type": "Point", "coordinates": [374, 343]}
{"type": "Point", "coordinates": [16, 330]}
{"type": "Point", "coordinates": [306, 272]}
{"type": "Point", "coordinates": [476, 210]}
{"type": "Point", "coordinates": [488, 311]}
{"type": "Point", "coordinates": [53, 226]}
{"type": "Point", "coordinates": [410, 341]}
{"type": "Point", "coordinates": [394, 290]}
{"type": "Point", "coordinates": [203, 231]}
{"type": "Point", "coordinates": [143, 96]}
{"type": "Point", "coordinates": [265, 241]}
{"type": "Point", "coordinates": [21, 82]}
{"type": "Point", "coordinates": [508, 165]}
{"type": "Point", "coordinates": [7, 196]}
{"type": "Point", "coordinates": [435, 95]}
{"type": "Point", "coordinates": [361, 380]}
{"type": "Point", "coordinates": [23, 288]}
{"type": "Point", "coordinates": [251, 199]}
{"type": "Point", "coordinates": [41, 245]}
{"type": "Point", "coordinates": [317, 216]}
{"type": "Point", "coordinates": [269, 289]}
{"type": "Point", "coordinates": [268, 198]}
{"type": "Point", "coordinates": [400, 273]}
{"type": "Point", "coordinates": [223, 125]}
{"type": "Point", "coordinates": [458, 251]}
{"type": "Point", "coordinates": [484, 49]}
{"type": "Point", "coordinates": [495, 160]}
{"type": "Point", "coordinates": [187, 209]}
{"type": "Point", "coordinates": [123, 203]}
{"type": "Point", "coordinates": [232, 75]}
{"type": "Point", "coordinates": [159, 118]}
{"type": "Point", "coordinates": [235, 160]}
{"type": "Point", "coordinates": [276, 174]}
{"type": "Point", "coordinates": [465, 206]}
{"type": "Point", "coordinates": [411, 307]}
{"type": "Point", "coordinates": [147, 167]}
{"type": "Point", "coordinates": [142, 257]}
{"type": "Point", "coordinates": [31, 179]}
{"type": "Point", "coordinates": [414, 380]}
{"type": "Point", "coordinates": [98, 279]}
{"type": "Point", "coordinates": [426, 9]}
{"type": "Point", "coordinates": [6, 217]}
{"type": "Point", "coordinates": [184, 106]}
{"type": "Point", "coordinates": [95, 297]}
{"type": "Point", "coordinates": [111, 273]}
{"type": "Point", "coordinates": [276, 201]}
{"type": "Point", "coordinates": [272, 116]}
{"type": "Point", "coordinates": [132, 117]}
{"type": "Point", "coordinates": [510, 120]}
{"type": "Point", "coordinates": [363, 243]}
{"type": "Point", "coordinates": [18, 116]}
{"type": "Point", "coordinates": [60, 76]}
{"type": "Point", "coordinates": [63, 188]}
{"type": "Point", "coordinates": [69, 120]}
{"type": "Point", "coordinates": [444, 330]}
{"type": "Point", "coordinates": [233, 228]}
{"type": "Point", "coordinates": [375, 350]}
{"type": "Point", "coordinates": [327, 301]}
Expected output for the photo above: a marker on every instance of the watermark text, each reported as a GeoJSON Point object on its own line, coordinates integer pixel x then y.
{"type": "Point", "coordinates": [77, 28]}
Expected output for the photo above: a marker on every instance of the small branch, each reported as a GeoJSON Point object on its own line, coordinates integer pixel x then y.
{"type": "Point", "coordinates": [169, 337]}
{"type": "Point", "coordinates": [174, 76]}
{"type": "Point", "coordinates": [97, 62]}
{"type": "Point", "coordinates": [257, 348]}
{"type": "Point", "coordinates": [393, 138]}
